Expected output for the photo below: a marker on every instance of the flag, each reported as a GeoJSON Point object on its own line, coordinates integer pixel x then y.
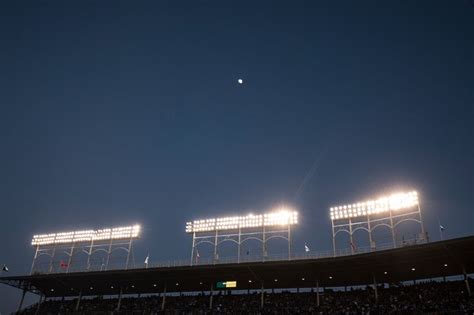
{"type": "Point", "coordinates": [306, 248]}
{"type": "Point", "coordinates": [146, 259]}
{"type": "Point", "coordinates": [441, 228]}
{"type": "Point", "coordinates": [62, 264]}
{"type": "Point", "coordinates": [5, 268]}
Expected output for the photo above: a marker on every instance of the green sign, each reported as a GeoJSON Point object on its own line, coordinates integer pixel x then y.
{"type": "Point", "coordinates": [226, 284]}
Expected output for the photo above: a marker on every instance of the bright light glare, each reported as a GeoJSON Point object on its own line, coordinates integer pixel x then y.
{"type": "Point", "coordinates": [394, 202]}
{"type": "Point", "coordinates": [280, 216]}
{"type": "Point", "coordinates": [125, 232]}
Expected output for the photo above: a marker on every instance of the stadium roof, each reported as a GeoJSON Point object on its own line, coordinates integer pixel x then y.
{"type": "Point", "coordinates": [424, 261]}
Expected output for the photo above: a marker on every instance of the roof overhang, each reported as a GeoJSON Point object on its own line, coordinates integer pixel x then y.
{"type": "Point", "coordinates": [389, 266]}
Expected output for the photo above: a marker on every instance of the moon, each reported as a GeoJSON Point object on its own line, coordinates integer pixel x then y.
{"type": "Point", "coordinates": [240, 81]}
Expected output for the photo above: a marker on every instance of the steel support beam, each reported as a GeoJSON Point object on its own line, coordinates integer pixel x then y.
{"type": "Point", "coordinates": [21, 300]}
{"type": "Point", "coordinates": [375, 289]}
{"type": "Point", "coordinates": [466, 280]}
{"type": "Point", "coordinates": [211, 295]}
{"type": "Point", "coordinates": [163, 300]}
{"type": "Point", "coordinates": [78, 301]}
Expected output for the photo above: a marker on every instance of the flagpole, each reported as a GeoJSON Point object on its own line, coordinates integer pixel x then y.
{"type": "Point", "coordinates": [440, 229]}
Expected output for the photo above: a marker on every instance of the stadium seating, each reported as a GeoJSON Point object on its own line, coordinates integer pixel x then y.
{"type": "Point", "coordinates": [433, 297]}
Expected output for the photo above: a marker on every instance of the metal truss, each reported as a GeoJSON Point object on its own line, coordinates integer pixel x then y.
{"type": "Point", "coordinates": [239, 237]}
{"type": "Point", "coordinates": [371, 222]}
{"type": "Point", "coordinates": [74, 249]}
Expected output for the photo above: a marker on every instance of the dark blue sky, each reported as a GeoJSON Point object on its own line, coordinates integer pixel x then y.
{"type": "Point", "coordinates": [119, 112]}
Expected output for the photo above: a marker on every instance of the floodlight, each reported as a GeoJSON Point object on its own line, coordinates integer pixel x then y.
{"type": "Point", "coordinates": [394, 202]}
{"type": "Point", "coordinates": [126, 232]}
{"type": "Point", "coordinates": [279, 217]}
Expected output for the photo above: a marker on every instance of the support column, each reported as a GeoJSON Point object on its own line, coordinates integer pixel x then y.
{"type": "Point", "coordinates": [262, 297]}
{"type": "Point", "coordinates": [39, 304]}
{"type": "Point", "coordinates": [466, 280]}
{"type": "Point", "coordinates": [78, 301]}
{"type": "Point", "coordinates": [211, 297]}
{"type": "Point", "coordinates": [128, 252]}
{"type": "Point", "coordinates": [289, 241]}
{"type": "Point", "coordinates": [89, 255]}
{"type": "Point", "coordinates": [34, 260]}
{"type": "Point", "coordinates": [392, 229]}
{"type": "Point", "coordinates": [238, 249]}
{"type": "Point", "coordinates": [370, 233]}
{"type": "Point", "coordinates": [163, 300]}
{"type": "Point", "coordinates": [109, 252]}
{"type": "Point", "coordinates": [215, 248]}
{"type": "Point", "coordinates": [375, 289]}
{"type": "Point", "coordinates": [21, 301]}
{"type": "Point", "coordinates": [333, 239]}
{"type": "Point", "coordinates": [52, 259]}
{"type": "Point", "coordinates": [350, 236]}
{"type": "Point", "coordinates": [263, 242]}
{"type": "Point", "coordinates": [192, 248]}
{"type": "Point", "coordinates": [317, 292]}
{"type": "Point", "coordinates": [119, 299]}
{"type": "Point", "coordinates": [70, 258]}
{"type": "Point", "coordinates": [421, 223]}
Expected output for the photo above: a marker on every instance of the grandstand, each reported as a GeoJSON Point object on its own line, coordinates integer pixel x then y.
{"type": "Point", "coordinates": [394, 278]}
{"type": "Point", "coordinates": [264, 287]}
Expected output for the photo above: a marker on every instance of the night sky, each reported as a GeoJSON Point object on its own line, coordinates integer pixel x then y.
{"type": "Point", "coordinates": [116, 112]}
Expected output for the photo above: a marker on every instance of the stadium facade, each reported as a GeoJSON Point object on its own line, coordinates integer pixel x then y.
{"type": "Point", "coordinates": [454, 257]}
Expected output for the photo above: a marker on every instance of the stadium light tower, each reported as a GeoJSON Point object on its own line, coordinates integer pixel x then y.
{"type": "Point", "coordinates": [85, 241]}
{"type": "Point", "coordinates": [387, 211]}
{"type": "Point", "coordinates": [238, 229]}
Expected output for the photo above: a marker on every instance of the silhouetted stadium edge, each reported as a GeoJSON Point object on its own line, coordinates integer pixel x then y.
{"type": "Point", "coordinates": [424, 261]}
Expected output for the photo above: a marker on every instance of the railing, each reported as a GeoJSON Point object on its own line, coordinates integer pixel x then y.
{"type": "Point", "coordinates": [48, 268]}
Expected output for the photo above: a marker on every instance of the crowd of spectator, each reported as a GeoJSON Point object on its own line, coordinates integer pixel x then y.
{"type": "Point", "coordinates": [422, 298]}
